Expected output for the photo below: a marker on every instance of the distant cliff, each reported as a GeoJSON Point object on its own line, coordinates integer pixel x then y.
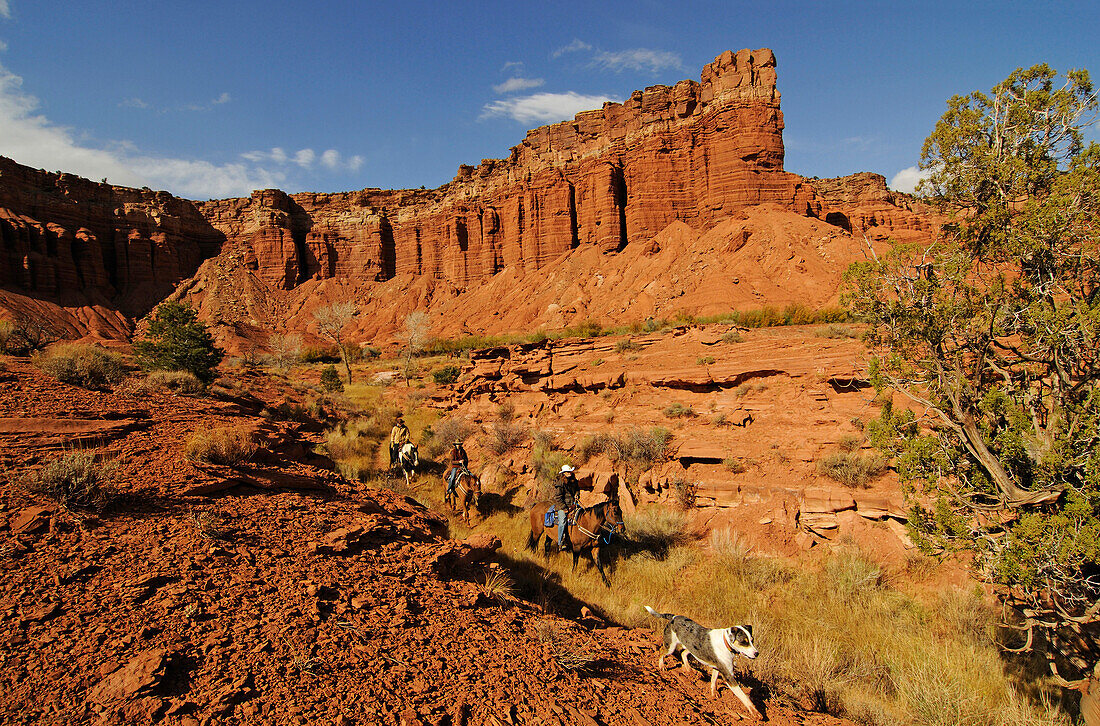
{"type": "Point", "coordinates": [695, 153]}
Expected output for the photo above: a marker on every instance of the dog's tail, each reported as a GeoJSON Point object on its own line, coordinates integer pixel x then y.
{"type": "Point", "coordinates": [656, 614]}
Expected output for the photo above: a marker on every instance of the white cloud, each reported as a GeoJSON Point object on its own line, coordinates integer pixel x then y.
{"type": "Point", "coordinates": [305, 158]}
{"type": "Point", "coordinates": [32, 139]}
{"type": "Point", "coordinates": [576, 46]}
{"type": "Point", "coordinates": [133, 102]}
{"type": "Point", "coordinates": [5, 9]}
{"type": "Point", "coordinates": [3, 46]}
{"type": "Point", "coordinates": [224, 98]}
{"type": "Point", "coordinates": [544, 107]}
{"type": "Point", "coordinates": [518, 84]}
{"type": "Point", "coordinates": [637, 59]}
{"type": "Point", "coordinates": [907, 179]}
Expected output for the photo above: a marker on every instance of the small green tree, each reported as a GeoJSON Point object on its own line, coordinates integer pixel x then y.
{"type": "Point", "coordinates": [993, 332]}
{"type": "Point", "coordinates": [330, 379]}
{"type": "Point", "coordinates": [178, 341]}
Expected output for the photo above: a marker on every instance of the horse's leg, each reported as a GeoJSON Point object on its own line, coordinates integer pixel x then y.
{"type": "Point", "coordinates": [599, 565]}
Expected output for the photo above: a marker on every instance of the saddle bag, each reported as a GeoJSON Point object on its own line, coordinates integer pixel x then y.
{"type": "Point", "coordinates": [550, 518]}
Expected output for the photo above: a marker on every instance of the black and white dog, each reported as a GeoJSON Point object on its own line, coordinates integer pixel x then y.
{"type": "Point", "coordinates": [715, 648]}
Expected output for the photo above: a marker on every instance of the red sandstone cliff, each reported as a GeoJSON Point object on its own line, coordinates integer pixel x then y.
{"type": "Point", "coordinates": [593, 188]}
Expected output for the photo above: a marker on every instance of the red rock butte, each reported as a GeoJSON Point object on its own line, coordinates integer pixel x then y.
{"type": "Point", "coordinates": [702, 154]}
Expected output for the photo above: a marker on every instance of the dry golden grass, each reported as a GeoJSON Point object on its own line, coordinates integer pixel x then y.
{"type": "Point", "coordinates": [231, 446]}
{"type": "Point", "coordinates": [835, 631]}
{"type": "Point", "coordinates": [80, 364]}
{"type": "Point", "coordinates": [183, 382]}
{"type": "Point", "coordinates": [74, 479]}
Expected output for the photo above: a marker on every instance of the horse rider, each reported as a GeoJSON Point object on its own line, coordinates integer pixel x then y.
{"type": "Point", "coordinates": [460, 461]}
{"type": "Point", "coordinates": [399, 436]}
{"type": "Point", "coordinates": [564, 496]}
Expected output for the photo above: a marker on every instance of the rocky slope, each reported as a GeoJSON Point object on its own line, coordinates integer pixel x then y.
{"type": "Point", "coordinates": [277, 593]}
{"type": "Point", "coordinates": [582, 198]}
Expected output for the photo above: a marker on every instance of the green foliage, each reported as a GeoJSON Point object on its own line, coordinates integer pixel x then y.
{"type": "Point", "coordinates": [330, 379]}
{"type": "Point", "coordinates": [679, 410]}
{"type": "Point", "coordinates": [80, 364]}
{"type": "Point", "coordinates": [994, 332]}
{"type": "Point", "coordinates": [446, 375]}
{"type": "Point", "coordinates": [177, 341]}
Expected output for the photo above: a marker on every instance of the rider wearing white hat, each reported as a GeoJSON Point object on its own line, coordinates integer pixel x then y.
{"type": "Point", "coordinates": [564, 497]}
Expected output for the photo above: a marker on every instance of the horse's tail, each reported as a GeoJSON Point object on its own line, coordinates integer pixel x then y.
{"type": "Point", "coordinates": [531, 541]}
{"type": "Point", "coordinates": [654, 613]}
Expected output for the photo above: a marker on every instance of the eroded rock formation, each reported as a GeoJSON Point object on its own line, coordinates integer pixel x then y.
{"type": "Point", "coordinates": [691, 155]}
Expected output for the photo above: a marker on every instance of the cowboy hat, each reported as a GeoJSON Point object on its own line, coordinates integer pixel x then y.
{"type": "Point", "coordinates": [566, 468]}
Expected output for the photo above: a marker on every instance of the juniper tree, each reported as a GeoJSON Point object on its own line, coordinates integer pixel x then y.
{"type": "Point", "coordinates": [177, 341]}
{"type": "Point", "coordinates": [993, 334]}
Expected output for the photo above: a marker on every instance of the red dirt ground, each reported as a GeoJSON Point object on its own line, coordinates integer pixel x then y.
{"type": "Point", "coordinates": [277, 593]}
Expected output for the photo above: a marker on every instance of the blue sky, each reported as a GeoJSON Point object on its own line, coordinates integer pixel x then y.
{"type": "Point", "coordinates": [213, 99]}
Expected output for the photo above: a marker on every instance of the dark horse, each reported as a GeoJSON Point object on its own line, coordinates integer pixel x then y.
{"type": "Point", "coordinates": [466, 494]}
{"type": "Point", "coordinates": [591, 533]}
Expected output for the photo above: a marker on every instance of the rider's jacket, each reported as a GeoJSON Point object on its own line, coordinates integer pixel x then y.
{"type": "Point", "coordinates": [399, 436]}
{"type": "Point", "coordinates": [565, 492]}
{"type": "Point", "coordinates": [458, 456]}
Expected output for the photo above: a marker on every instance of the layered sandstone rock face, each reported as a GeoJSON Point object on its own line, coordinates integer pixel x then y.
{"type": "Point", "coordinates": [649, 182]}
{"type": "Point", "coordinates": [70, 241]}
{"type": "Point", "coordinates": [695, 152]}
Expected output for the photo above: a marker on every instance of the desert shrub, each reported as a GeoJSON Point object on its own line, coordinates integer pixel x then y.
{"type": "Point", "coordinates": [7, 327]}
{"type": "Point", "coordinates": [679, 410]}
{"type": "Point", "coordinates": [74, 479]}
{"type": "Point", "coordinates": [505, 434]}
{"type": "Point", "coordinates": [330, 379]}
{"type": "Point", "coordinates": [732, 336]}
{"type": "Point", "coordinates": [446, 375]}
{"type": "Point", "coordinates": [445, 432]}
{"type": "Point", "coordinates": [546, 459]}
{"type": "Point", "coordinates": [286, 350]}
{"type": "Point", "coordinates": [706, 360]}
{"type": "Point", "coordinates": [30, 334]}
{"type": "Point", "coordinates": [178, 341]}
{"type": "Point", "coordinates": [80, 364]}
{"type": "Point", "coordinates": [592, 445]}
{"type": "Point", "coordinates": [179, 381]}
{"type": "Point", "coordinates": [320, 354]}
{"type": "Point", "coordinates": [686, 490]}
{"type": "Point", "coordinates": [229, 446]}
{"type": "Point", "coordinates": [852, 470]}
{"type": "Point", "coordinates": [733, 465]}
{"type": "Point", "coordinates": [835, 331]}
{"type": "Point", "coordinates": [626, 345]}
{"type": "Point", "coordinates": [657, 529]}
{"type": "Point", "coordinates": [850, 442]}
{"type": "Point", "coordinates": [571, 653]}
{"type": "Point", "coordinates": [585, 329]}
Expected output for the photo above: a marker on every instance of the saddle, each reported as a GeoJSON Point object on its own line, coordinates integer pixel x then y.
{"type": "Point", "coordinates": [550, 518]}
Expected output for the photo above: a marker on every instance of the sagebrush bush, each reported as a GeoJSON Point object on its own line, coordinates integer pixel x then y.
{"type": "Point", "coordinates": [81, 364]}
{"type": "Point", "coordinates": [230, 446]}
{"type": "Point", "coordinates": [686, 491]}
{"type": "Point", "coordinates": [732, 336]}
{"type": "Point", "coordinates": [851, 469]}
{"type": "Point", "coordinates": [446, 375]}
{"type": "Point", "coordinates": [179, 381]}
{"type": "Point", "coordinates": [75, 479]}
{"type": "Point", "coordinates": [679, 410]}
{"type": "Point", "coordinates": [626, 345]}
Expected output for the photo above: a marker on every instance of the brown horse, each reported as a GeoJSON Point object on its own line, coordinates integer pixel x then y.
{"type": "Point", "coordinates": [591, 532]}
{"type": "Point", "coordinates": [467, 493]}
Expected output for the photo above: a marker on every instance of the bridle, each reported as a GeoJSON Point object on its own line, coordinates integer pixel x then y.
{"type": "Point", "coordinates": [610, 527]}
